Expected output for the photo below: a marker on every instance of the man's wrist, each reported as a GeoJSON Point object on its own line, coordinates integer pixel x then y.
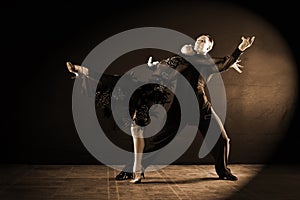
{"type": "Point", "coordinates": [237, 52]}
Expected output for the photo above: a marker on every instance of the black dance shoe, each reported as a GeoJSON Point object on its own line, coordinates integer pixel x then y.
{"type": "Point", "coordinates": [124, 175]}
{"type": "Point", "coordinates": [228, 176]}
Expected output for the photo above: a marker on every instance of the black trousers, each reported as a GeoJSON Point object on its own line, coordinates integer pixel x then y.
{"type": "Point", "coordinates": [219, 151]}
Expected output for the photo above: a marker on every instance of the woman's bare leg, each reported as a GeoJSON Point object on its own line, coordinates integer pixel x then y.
{"type": "Point", "coordinates": [139, 144]}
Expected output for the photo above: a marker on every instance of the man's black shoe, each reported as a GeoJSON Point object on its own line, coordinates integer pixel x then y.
{"type": "Point", "coordinates": [124, 175]}
{"type": "Point", "coordinates": [228, 176]}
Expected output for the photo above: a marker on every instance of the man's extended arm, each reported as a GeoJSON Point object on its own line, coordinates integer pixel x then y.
{"type": "Point", "coordinates": [232, 61]}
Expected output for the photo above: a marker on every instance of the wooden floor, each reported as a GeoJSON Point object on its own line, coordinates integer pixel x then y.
{"type": "Point", "coordinates": [89, 182]}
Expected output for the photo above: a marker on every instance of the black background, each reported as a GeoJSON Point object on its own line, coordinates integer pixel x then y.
{"type": "Point", "coordinates": [37, 40]}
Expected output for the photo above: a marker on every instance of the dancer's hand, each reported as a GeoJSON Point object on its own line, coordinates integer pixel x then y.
{"type": "Point", "coordinates": [150, 63]}
{"type": "Point", "coordinates": [246, 43]}
{"type": "Point", "coordinates": [237, 66]}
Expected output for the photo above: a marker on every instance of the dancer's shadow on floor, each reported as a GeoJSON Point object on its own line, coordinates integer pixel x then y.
{"type": "Point", "coordinates": [184, 181]}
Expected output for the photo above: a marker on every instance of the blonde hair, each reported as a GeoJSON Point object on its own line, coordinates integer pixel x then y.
{"type": "Point", "coordinates": [187, 50]}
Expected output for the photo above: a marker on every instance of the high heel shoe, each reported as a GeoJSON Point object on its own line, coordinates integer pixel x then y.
{"type": "Point", "coordinates": [72, 69]}
{"type": "Point", "coordinates": [143, 175]}
{"type": "Point", "coordinates": [137, 178]}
